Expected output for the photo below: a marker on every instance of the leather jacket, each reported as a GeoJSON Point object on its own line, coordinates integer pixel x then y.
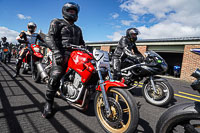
{"type": "Point", "coordinates": [61, 34]}
{"type": "Point", "coordinates": [124, 48]}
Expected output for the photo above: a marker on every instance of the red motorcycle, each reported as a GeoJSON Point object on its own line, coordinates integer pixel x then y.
{"type": "Point", "coordinates": [33, 57]}
{"type": "Point", "coordinates": [87, 75]}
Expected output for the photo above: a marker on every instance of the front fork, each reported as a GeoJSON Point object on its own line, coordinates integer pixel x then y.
{"type": "Point", "coordinates": [105, 98]}
{"type": "Point", "coordinates": [152, 83]}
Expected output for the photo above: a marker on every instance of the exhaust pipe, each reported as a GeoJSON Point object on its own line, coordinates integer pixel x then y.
{"type": "Point", "coordinates": [41, 71]}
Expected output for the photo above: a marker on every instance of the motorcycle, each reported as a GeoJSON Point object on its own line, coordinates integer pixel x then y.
{"type": "Point", "coordinates": [5, 55]}
{"type": "Point", "coordinates": [184, 117]}
{"type": "Point", "coordinates": [85, 77]}
{"type": "Point", "coordinates": [156, 90]}
{"type": "Point", "coordinates": [33, 57]}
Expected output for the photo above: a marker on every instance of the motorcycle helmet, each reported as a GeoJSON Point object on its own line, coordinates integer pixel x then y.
{"type": "Point", "coordinates": [31, 27]}
{"type": "Point", "coordinates": [132, 33]}
{"type": "Point", "coordinates": [3, 39]}
{"type": "Point", "coordinates": [69, 16]}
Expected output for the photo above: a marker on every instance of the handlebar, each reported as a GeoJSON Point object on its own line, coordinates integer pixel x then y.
{"type": "Point", "coordinates": [81, 48]}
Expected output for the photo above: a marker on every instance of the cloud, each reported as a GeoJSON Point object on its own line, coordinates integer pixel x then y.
{"type": "Point", "coordinates": [180, 18]}
{"type": "Point", "coordinates": [115, 15]}
{"type": "Point", "coordinates": [21, 16]}
{"type": "Point", "coordinates": [10, 34]}
{"type": "Point", "coordinates": [126, 22]}
{"type": "Point", "coordinates": [116, 36]}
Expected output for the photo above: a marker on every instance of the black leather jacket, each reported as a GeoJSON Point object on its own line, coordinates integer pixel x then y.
{"type": "Point", "coordinates": [124, 48]}
{"type": "Point", "coordinates": [61, 34]}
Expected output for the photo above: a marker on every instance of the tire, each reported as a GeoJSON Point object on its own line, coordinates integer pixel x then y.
{"type": "Point", "coordinates": [123, 107]}
{"type": "Point", "coordinates": [35, 75]}
{"type": "Point", "coordinates": [178, 116]}
{"type": "Point", "coordinates": [163, 97]}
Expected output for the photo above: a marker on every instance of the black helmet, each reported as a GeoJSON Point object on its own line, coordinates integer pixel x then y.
{"type": "Point", "coordinates": [131, 31]}
{"type": "Point", "coordinates": [3, 38]}
{"type": "Point", "coordinates": [69, 16]}
{"type": "Point", "coordinates": [31, 27]}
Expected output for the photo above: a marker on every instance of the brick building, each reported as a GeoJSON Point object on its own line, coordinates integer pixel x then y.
{"type": "Point", "coordinates": [175, 51]}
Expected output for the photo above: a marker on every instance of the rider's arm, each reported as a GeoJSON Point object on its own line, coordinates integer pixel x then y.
{"type": "Point", "coordinates": [124, 42]}
{"type": "Point", "coordinates": [22, 38]}
{"type": "Point", "coordinates": [40, 38]}
{"type": "Point", "coordinates": [53, 35]}
{"type": "Point", "coordinates": [82, 42]}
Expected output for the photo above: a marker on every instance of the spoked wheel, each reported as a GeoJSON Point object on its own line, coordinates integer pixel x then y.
{"type": "Point", "coordinates": [124, 111]}
{"type": "Point", "coordinates": [163, 95]}
{"type": "Point", "coordinates": [183, 118]}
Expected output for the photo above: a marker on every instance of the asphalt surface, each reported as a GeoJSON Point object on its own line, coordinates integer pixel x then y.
{"type": "Point", "coordinates": [22, 101]}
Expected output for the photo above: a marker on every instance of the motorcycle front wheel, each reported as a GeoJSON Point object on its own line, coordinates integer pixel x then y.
{"type": "Point", "coordinates": [182, 118]}
{"type": "Point", "coordinates": [163, 95]}
{"type": "Point", "coordinates": [124, 111]}
{"type": "Point", "coordinates": [35, 75]}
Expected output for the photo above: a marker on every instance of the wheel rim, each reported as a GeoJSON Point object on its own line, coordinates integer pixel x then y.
{"type": "Point", "coordinates": [161, 95]}
{"type": "Point", "coordinates": [121, 115]}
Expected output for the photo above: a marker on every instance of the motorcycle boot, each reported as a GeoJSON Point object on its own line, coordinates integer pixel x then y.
{"type": "Point", "coordinates": [50, 94]}
{"type": "Point", "coordinates": [48, 110]}
{"type": "Point", "coordinates": [18, 65]}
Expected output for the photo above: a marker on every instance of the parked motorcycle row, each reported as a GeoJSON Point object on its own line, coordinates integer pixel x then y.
{"type": "Point", "coordinates": [88, 74]}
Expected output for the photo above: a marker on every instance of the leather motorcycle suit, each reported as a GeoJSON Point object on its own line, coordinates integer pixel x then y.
{"type": "Point", "coordinates": [122, 51]}
{"type": "Point", "coordinates": [27, 39]}
{"type": "Point", "coordinates": [61, 34]}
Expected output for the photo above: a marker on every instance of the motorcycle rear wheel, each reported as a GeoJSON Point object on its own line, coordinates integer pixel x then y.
{"type": "Point", "coordinates": [124, 111]}
{"type": "Point", "coordinates": [164, 93]}
{"type": "Point", "coordinates": [184, 118]}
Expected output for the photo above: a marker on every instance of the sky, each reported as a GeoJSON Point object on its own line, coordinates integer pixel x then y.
{"type": "Point", "coordinates": [106, 20]}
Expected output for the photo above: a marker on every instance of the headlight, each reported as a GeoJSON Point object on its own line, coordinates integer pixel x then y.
{"type": "Point", "coordinates": [36, 49]}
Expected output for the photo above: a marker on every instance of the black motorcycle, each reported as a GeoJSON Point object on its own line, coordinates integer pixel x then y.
{"type": "Point", "coordinates": [184, 117]}
{"type": "Point", "coordinates": [156, 90]}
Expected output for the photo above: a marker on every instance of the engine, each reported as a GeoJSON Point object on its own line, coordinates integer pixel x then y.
{"type": "Point", "coordinates": [72, 87]}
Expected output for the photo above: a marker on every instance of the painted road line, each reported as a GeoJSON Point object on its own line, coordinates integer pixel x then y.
{"type": "Point", "coordinates": [187, 97]}
{"type": "Point", "coordinates": [140, 85]}
{"type": "Point", "coordinates": [189, 94]}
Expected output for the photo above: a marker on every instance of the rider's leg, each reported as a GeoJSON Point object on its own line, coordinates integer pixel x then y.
{"type": "Point", "coordinates": [19, 62]}
{"type": "Point", "coordinates": [117, 68]}
{"type": "Point", "coordinates": [53, 85]}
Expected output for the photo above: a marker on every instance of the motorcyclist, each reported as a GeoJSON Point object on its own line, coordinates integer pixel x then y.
{"type": "Point", "coordinates": [3, 44]}
{"type": "Point", "coordinates": [26, 38]}
{"type": "Point", "coordinates": [125, 48]}
{"type": "Point", "coordinates": [62, 33]}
